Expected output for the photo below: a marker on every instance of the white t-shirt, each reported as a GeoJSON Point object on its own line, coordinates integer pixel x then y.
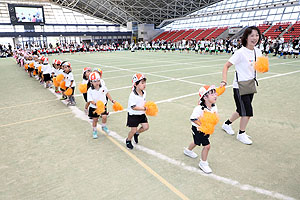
{"type": "Point", "coordinates": [58, 71]}
{"type": "Point", "coordinates": [136, 100]}
{"type": "Point", "coordinates": [97, 95]}
{"type": "Point", "coordinates": [243, 59]}
{"type": "Point", "coordinates": [47, 69]}
{"type": "Point", "coordinates": [84, 81]}
{"type": "Point", "coordinates": [68, 78]}
{"type": "Point", "coordinates": [198, 112]}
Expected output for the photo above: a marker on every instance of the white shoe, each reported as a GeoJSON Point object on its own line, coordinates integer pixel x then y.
{"type": "Point", "coordinates": [244, 138]}
{"type": "Point", "coordinates": [189, 153]}
{"type": "Point", "coordinates": [205, 167]}
{"type": "Point", "coordinates": [227, 129]}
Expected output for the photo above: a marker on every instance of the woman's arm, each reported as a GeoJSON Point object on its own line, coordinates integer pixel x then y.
{"type": "Point", "coordinates": [224, 73]}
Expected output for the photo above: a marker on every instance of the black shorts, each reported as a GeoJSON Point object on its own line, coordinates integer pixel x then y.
{"type": "Point", "coordinates": [85, 96]}
{"type": "Point", "coordinates": [95, 115]}
{"type": "Point", "coordinates": [47, 77]}
{"type": "Point", "coordinates": [135, 120]}
{"type": "Point", "coordinates": [30, 69]}
{"type": "Point", "coordinates": [243, 103]}
{"type": "Point", "coordinates": [199, 137]}
{"type": "Point", "coordinates": [36, 71]}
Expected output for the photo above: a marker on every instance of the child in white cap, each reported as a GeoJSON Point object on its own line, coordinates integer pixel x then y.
{"type": "Point", "coordinates": [208, 97]}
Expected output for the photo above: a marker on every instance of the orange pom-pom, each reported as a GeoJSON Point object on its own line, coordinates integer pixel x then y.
{"type": "Point", "coordinates": [31, 65]}
{"type": "Point", "coordinates": [40, 69]}
{"type": "Point", "coordinates": [26, 66]}
{"type": "Point", "coordinates": [220, 90]}
{"type": "Point", "coordinates": [62, 85]}
{"type": "Point", "coordinates": [208, 122]}
{"type": "Point", "coordinates": [100, 107]}
{"type": "Point", "coordinates": [69, 91]}
{"type": "Point", "coordinates": [82, 88]}
{"type": "Point", "coordinates": [151, 108]}
{"type": "Point", "coordinates": [34, 73]}
{"type": "Point", "coordinates": [59, 77]}
{"type": "Point", "coordinates": [117, 106]}
{"type": "Point", "coordinates": [262, 64]}
{"type": "Point", "coordinates": [55, 83]}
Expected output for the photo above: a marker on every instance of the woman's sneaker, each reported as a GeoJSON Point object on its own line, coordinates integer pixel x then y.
{"type": "Point", "coordinates": [205, 167]}
{"type": "Point", "coordinates": [189, 153]}
{"type": "Point", "coordinates": [244, 138]}
{"type": "Point", "coordinates": [228, 129]}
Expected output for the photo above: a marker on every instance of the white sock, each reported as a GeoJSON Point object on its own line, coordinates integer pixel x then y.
{"type": "Point", "coordinates": [94, 128]}
{"type": "Point", "coordinates": [204, 162]}
{"type": "Point", "coordinates": [103, 125]}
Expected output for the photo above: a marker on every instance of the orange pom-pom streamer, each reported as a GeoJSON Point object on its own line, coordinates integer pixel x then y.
{"type": "Point", "coordinates": [40, 69]}
{"type": "Point", "coordinates": [26, 66]}
{"type": "Point", "coordinates": [82, 88]}
{"type": "Point", "coordinates": [220, 90]}
{"type": "Point", "coordinates": [31, 65]}
{"type": "Point", "coordinates": [208, 122]}
{"type": "Point", "coordinates": [100, 107]}
{"type": "Point", "coordinates": [262, 64]}
{"type": "Point", "coordinates": [151, 108]}
{"type": "Point", "coordinates": [55, 83]}
{"type": "Point", "coordinates": [69, 92]}
{"type": "Point", "coordinates": [34, 73]}
{"type": "Point", "coordinates": [59, 77]}
{"type": "Point", "coordinates": [62, 85]}
{"type": "Point", "coordinates": [117, 106]}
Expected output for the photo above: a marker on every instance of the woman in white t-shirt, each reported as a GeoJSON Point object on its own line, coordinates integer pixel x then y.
{"type": "Point", "coordinates": [243, 59]}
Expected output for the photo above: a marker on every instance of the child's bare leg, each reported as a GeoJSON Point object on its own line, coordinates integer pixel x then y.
{"type": "Point", "coordinates": [131, 133]}
{"type": "Point", "coordinates": [104, 119]}
{"type": "Point", "coordinates": [191, 146]}
{"type": "Point", "coordinates": [95, 121]}
{"type": "Point", "coordinates": [145, 127]}
{"type": "Point", "coordinates": [204, 152]}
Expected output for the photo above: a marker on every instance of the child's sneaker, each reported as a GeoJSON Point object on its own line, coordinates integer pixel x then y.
{"type": "Point", "coordinates": [105, 129]}
{"type": "Point", "coordinates": [128, 144]}
{"type": "Point", "coordinates": [63, 98]}
{"type": "Point", "coordinates": [95, 136]}
{"type": "Point", "coordinates": [136, 138]}
{"type": "Point", "coordinates": [244, 138]}
{"type": "Point", "coordinates": [205, 167]}
{"type": "Point", "coordinates": [228, 129]}
{"type": "Point", "coordinates": [189, 153]}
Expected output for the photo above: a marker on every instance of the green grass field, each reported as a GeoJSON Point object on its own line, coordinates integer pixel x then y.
{"type": "Point", "coordinates": [47, 150]}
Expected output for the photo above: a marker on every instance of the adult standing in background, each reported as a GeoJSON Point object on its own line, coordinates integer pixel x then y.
{"type": "Point", "coordinates": [243, 59]}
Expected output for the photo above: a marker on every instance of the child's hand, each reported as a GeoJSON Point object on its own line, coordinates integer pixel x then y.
{"type": "Point", "coordinates": [223, 84]}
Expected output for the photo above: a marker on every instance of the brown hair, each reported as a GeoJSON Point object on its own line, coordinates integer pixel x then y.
{"type": "Point", "coordinates": [247, 32]}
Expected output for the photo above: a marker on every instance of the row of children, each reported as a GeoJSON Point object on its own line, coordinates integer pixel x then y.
{"type": "Point", "coordinates": [95, 93]}
{"type": "Point", "coordinates": [39, 68]}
